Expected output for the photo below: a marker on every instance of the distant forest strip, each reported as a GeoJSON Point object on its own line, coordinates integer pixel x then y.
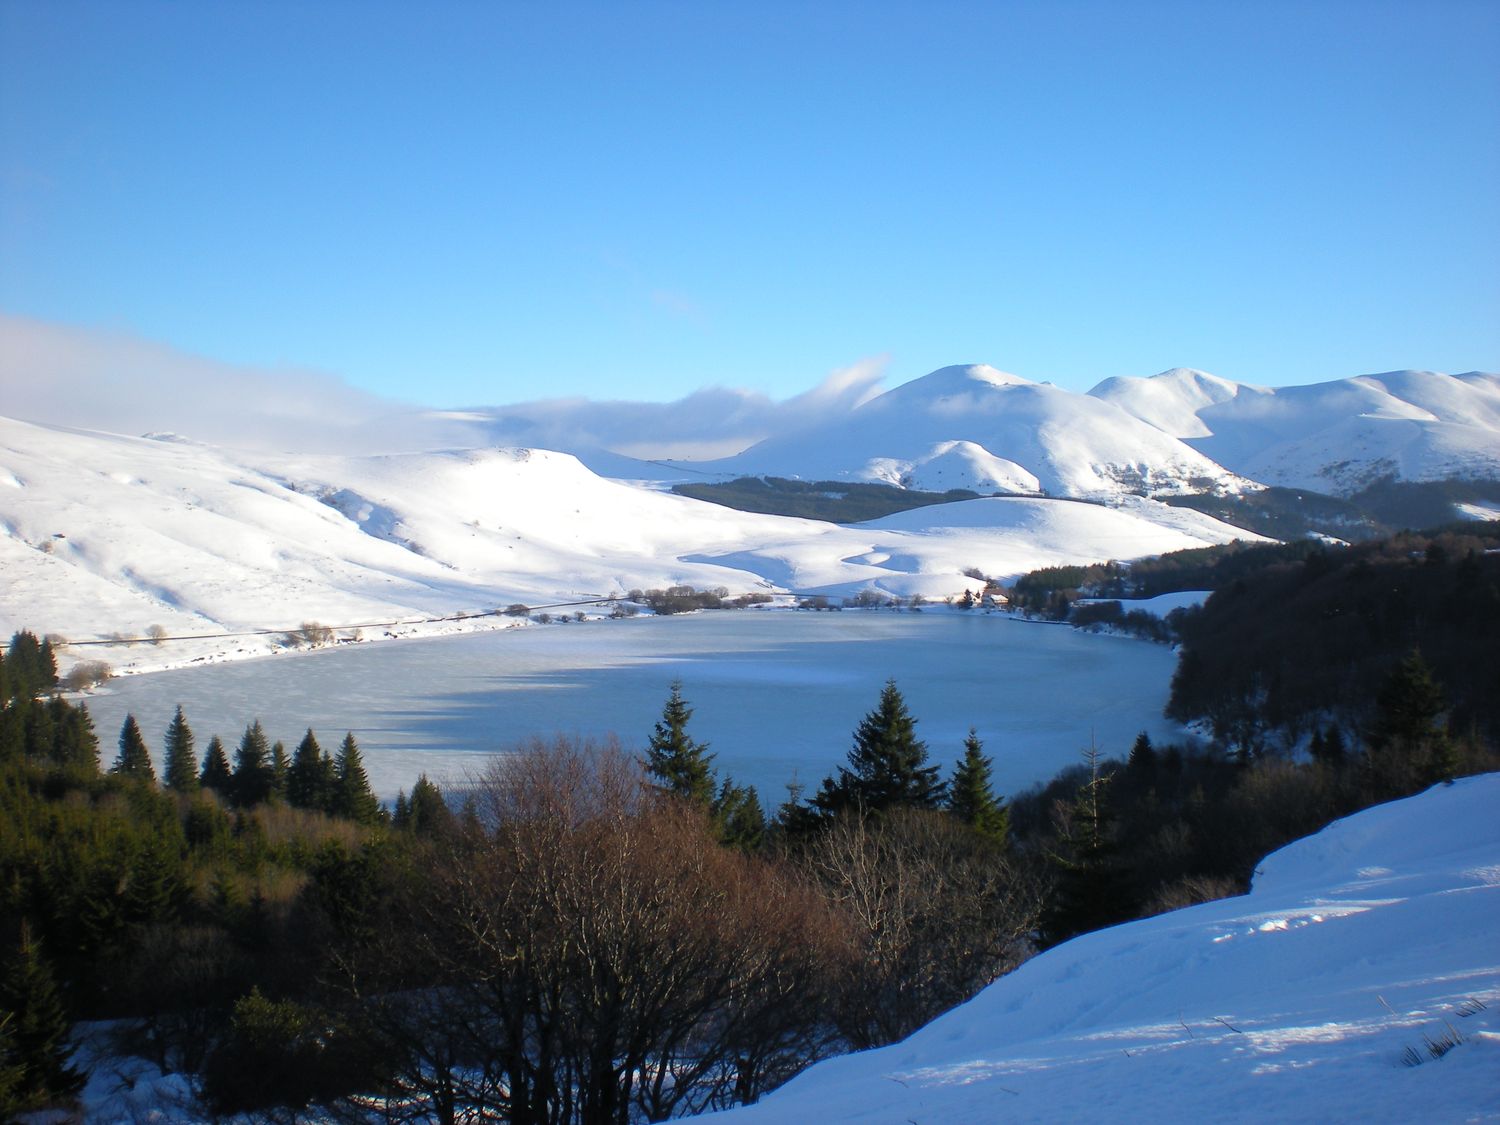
{"type": "Point", "coordinates": [1376, 511]}
{"type": "Point", "coordinates": [826, 500]}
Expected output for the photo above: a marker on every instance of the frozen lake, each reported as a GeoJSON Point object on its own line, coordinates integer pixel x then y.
{"type": "Point", "coordinates": [774, 693]}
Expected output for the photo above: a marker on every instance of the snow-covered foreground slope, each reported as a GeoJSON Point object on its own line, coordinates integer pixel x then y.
{"type": "Point", "coordinates": [1331, 437]}
{"type": "Point", "coordinates": [1296, 1002]}
{"type": "Point", "coordinates": [102, 534]}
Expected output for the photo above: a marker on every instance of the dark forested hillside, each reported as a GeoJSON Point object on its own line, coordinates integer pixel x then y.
{"type": "Point", "coordinates": [833, 501]}
{"type": "Point", "coordinates": [1297, 643]}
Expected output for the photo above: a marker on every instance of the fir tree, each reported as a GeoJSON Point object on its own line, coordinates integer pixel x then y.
{"type": "Point", "coordinates": [887, 765]}
{"type": "Point", "coordinates": [253, 775]}
{"type": "Point", "coordinates": [427, 811]}
{"type": "Point", "coordinates": [180, 770]}
{"type": "Point", "coordinates": [216, 775]}
{"type": "Point", "coordinates": [134, 760]}
{"type": "Point", "coordinates": [1142, 760]}
{"type": "Point", "coordinates": [309, 779]}
{"type": "Point", "coordinates": [737, 816]}
{"type": "Point", "coordinates": [279, 770]}
{"type": "Point", "coordinates": [39, 1029]}
{"type": "Point", "coordinates": [676, 762]}
{"type": "Point", "coordinates": [1089, 893]}
{"type": "Point", "coordinates": [1409, 735]}
{"type": "Point", "coordinates": [971, 798]}
{"type": "Point", "coordinates": [352, 796]}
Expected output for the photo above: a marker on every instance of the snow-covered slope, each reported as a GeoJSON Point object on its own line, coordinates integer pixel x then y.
{"type": "Point", "coordinates": [976, 427]}
{"type": "Point", "coordinates": [101, 533]}
{"type": "Point", "coordinates": [1298, 1002]}
{"type": "Point", "coordinates": [1332, 437]}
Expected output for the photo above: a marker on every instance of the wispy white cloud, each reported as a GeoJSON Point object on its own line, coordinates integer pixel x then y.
{"type": "Point", "coordinates": [709, 423]}
{"type": "Point", "coordinates": [115, 381]}
{"type": "Point", "coordinates": [108, 380]}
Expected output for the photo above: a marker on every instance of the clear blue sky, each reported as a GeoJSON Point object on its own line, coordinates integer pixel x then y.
{"type": "Point", "coordinates": [464, 203]}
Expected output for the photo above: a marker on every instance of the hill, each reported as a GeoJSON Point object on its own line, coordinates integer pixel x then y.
{"type": "Point", "coordinates": [1356, 981]}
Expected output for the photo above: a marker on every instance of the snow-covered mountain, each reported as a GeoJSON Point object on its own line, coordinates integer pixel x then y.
{"type": "Point", "coordinates": [1333, 437]}
{"type": "Point", "coordinates": [101, 533]}
{"type": "Point", "coordinates": [976, 427]}
{"type": "Point", "coordinates": [1314, 998]}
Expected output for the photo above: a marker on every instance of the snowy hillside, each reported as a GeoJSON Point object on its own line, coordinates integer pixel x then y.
{"type": "Point", "coordinates": [1333, 437]}
{"type": "Point", "coordinates": [101, 534]}
{"type": "Point", "coordinates": [976, 427]}
{"type": "Point", "coordinates": [1304, 1001]}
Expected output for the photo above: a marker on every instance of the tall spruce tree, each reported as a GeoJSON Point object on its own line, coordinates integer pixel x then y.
{"type": "Point", "coordinates": [676, 762]}
{"type": "Point", "coordinates": [352, 797]}
{"type": "Point", "coordinates": [887, 764]}
{"type": "Point", "coordinates": [309, 779]}
{"type": "Point", "coordinates": [971, 796]}
{"type": "Point", "coordinates": [39, 1028]}
{"type": "Point", "coordinates": [1409, 737]}
{"type": "Point", "coordinates": [280, 767]}
{"type": "Point", "coordinates": [253, 773]}
{"type": "Point", "coordinates": [1090, 892]}
{"type": "Point", "coordinates": [216, 774]}
{"type": "Point", "coordinates": [180, 770]}
{"type": "Point", "coordinates": [134, 760]}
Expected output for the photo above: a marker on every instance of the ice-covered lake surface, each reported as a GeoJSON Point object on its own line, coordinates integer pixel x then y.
{"type": "Point", "coordinates": [775, 694]}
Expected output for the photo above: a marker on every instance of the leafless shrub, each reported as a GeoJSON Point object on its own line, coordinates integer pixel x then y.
{"type": "Point", "coordinates": [87, 674]}
{"type": "Point", "coordinates": [156, 634]}
{"type": "Point", "coordinates": [937, 910]}
{"type": "Point", "coordinates": [606, 959]}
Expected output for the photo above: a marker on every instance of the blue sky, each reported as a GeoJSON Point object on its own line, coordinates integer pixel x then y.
{"type": "Point", "coordinates": [458, 203]}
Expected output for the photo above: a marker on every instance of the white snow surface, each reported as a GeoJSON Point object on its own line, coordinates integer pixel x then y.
{"type": "Point", "coordinates": [101, 534]}
{"type": "Point", "coordinates": [1333, 437]}
{"type": "Point", "coordinates": [1295, 1003]}
{"type": "Point", "coordinates": [975, 427]}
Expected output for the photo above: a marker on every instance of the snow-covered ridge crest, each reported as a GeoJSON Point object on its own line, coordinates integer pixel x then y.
{"type": "Point", "coordinates": [1299, 1000]}
{"type": "Point", "coordinates": [1006, 432]}
{"type": "Point", "coordinates": [1330, 437]}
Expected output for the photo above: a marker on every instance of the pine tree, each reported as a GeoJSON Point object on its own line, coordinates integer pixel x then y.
{"type": "Point", "coordinates": [253, 776]}
{"type": "Point", "coordinates": [280, 767]}
{"type": "Point", "coordinates": [427, 812]}
{"type": "Point", "coordinates": [971, 798]}
{"type": "Point", "coordinates": [887, 765]}
{"type": "Point", "coordinates": [309, 779]}
{"type": "Point", "coordinates": [134, 760]}
{"type": "Point", "coordinates": [1409, 738]}
{"type": "Point", "coordinates": [1090, 892]}
{"type": "Point", "coordinates": [737, 816]}
{"type": "Point", "coordinates": [39, 1028]}
{"type": "Point", "coordinates": [216, 775]}
{"type": "Point", "coordinates": [676, 762]}
{"type": "Point", "coordinates": [180, 770]}
{"type": "Point", "coordinates": [1142, 760]}
{"type": "Point", "coordinates": [352, 796]}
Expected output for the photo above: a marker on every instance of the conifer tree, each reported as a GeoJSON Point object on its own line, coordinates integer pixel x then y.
{"type": "Point", "coordinates": [971, 797]}
{"type": "Point", "coordinates": [738, 817]}
{"type": "Point", "coordinates": [887, 765]}
{"type": "Point", "coordinates": [677, 763]}
{"type": "Point", "coordinates": [134, 760]}
{"type": "Point", "coordinates": [427, 812]}
{"type": "Point", "coordinates": [1089, 893]}
{"type": "Point", "coordinates": [352, 796]}
{"type": "Point", "coordinates": [253, 775]}
{"type": "Point", "coordinates": [39, 1027]}
{"type": "Point", "coordinates": [1142, 760]}
{"type": "Point", "coordinates": [216, 775]}
{"type": "Point", "coordinates": [309, 779]}
{"type": "Point", "coordinates": [1408, 735]}
{"type": "Point", "coordinates": [180, 770]}
{"type": "Point", "coordinates": [280, 767]}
